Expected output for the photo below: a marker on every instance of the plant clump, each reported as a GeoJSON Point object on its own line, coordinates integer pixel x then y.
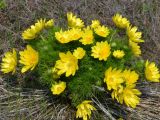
{"type": "Point", "coordinates": [71, 62]}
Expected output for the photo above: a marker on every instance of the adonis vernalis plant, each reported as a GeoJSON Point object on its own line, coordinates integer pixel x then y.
{"type": "Point", "coordinates": [72, 62]}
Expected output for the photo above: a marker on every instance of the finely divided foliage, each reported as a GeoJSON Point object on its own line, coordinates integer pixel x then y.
{"type": "Point", "coordinates": [71, 62]}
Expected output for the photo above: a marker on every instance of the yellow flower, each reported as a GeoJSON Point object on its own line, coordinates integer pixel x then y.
{"type": "Point", "coordinates": [32, 32]}
{"type": "Point", "coordinates": [151, 72]}
{"type": "Point", "coordinates": [113, 78]}
{"type": "Point", "coordinates": [29, 58]}
{"type": "Point", "coordinates": [73, 21]}
{"type": "Point", "coordinates": [130, 77]}
{"type": "Point", "coordinates": [54, 72]}
{"type": "Point", "coordinates": [129, 95]}
{"type": "Point", "coordinates": [102, 31]}
{"type": "Point", "coordinates": [75, 33]}
{"type": "Point", "coordinates": [133, 35]}
{"type": "Point", "coordinates": [79, 53]}
{"type": "Point", "coordinates": [95, 23]}
{"type": "Point", "coordinates": [84, 110]}
{"type": "Point", "coordinates": [87, 36]}
{"type": "Point", "coordinates": [115, 93]}
{"type": "Point", "coordinates": [9, 62]}
{"type": "Point", "coordinates": [58, 88]}
{"type": "Point", "coordinates": [135, 48]}
{"type": "Point", "coordinates": [63, 36]}
{"type": "Point", "coordinates": [101, 50]}
{"type": "Point", "coordinates": [67, 64]}
{"type": "Point", "coordinates": [118, 54]}
{"type": "Point", "coordinates": [120, 21]}
{"type": "Point", "coordinates": [49, 23]}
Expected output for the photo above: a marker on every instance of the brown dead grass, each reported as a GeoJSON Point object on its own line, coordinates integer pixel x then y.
{"type": "Point", "coordinates": [145, 14]}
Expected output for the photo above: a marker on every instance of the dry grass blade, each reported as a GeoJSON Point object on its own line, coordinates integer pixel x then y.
{"type": "Point", "coordinates": [101, 107]}
{"type": "Point", "coordinates": [31, 104]}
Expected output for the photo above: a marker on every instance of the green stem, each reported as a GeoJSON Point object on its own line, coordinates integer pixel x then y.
{"type": "Point", "coordinates": [113, 35]}
{"type": "Point", "coordinates": [42, 37]}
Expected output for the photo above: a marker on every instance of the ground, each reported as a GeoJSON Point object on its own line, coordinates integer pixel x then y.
{"type": "Point", "coordinates": [17, 15]}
